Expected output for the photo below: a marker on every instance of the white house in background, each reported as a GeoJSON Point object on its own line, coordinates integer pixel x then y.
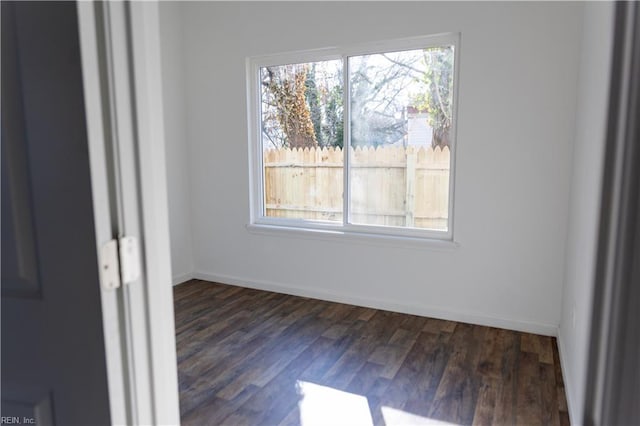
{"type": "Point", "coordinates": [419, 133]}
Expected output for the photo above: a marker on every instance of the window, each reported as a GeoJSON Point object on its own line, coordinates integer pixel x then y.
{"type": "Point", "coordinates": [355, 139]}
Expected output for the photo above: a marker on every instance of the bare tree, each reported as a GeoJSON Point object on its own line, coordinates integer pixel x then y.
{"type": "Point", "coordinates": [284, 101]}
{"type": "Point", "coordinates": [302, 103]}
{"type": "Point", "coordinates": [383, 86]}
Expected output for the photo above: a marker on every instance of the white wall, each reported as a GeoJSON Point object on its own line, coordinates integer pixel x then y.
{"type": "Point", "coordinates": [586, 184]}
{"type": "Point", "coordinates": [179, 187]}
{"type": "Point", "coordinates": [519, 64]}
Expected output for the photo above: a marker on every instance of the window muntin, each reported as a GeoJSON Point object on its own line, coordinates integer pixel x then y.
{"type": "Point", "coordinates": [398, 179]}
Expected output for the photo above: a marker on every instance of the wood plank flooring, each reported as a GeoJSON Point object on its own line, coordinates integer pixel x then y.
{"type": "Point", "coordinates": [249, 357]}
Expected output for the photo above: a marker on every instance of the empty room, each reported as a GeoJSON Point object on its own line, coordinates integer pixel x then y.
{"type": "Point", "coordinates": [428, 273]}
{"type": "Point", "coordinates": [320, 213]}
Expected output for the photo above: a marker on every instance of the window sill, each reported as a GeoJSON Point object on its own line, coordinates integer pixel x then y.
{"type": "Point", "coordinates": [353, 237]}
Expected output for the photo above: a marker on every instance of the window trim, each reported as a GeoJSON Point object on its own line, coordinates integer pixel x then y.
{"type": "Point", "coordinates": [257, 219]}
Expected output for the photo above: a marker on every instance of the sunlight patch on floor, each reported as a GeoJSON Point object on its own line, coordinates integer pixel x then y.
{"type": "Point", "coordinates": [322, 405]}
{"type": "Point", "coordinates": [395, 417]}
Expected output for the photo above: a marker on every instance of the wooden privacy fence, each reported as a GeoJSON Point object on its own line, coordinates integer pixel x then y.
{"type": "Point", "coordinates": [393, 186]}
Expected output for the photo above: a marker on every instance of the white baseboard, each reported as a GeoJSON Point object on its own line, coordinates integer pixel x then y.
{"type": "Point", "coordinates": [573, 418]}
{"type": "Point", "coordinates": [181, 278]}
{"type": "Point", "coordinates": [388, 305]}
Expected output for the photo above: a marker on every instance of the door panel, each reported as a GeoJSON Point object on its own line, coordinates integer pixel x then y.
{"type": "Point", "coordinates": [28, 405]}
{"type": "Point", "coordinates": [19, 265]}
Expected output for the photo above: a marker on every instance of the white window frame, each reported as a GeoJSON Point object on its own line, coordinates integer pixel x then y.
{"type": "Point", "coordinates": [260, 223]}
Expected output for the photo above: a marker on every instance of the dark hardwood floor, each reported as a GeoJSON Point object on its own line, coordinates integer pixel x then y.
{"type": "Point", "coordinates": [260, 358]}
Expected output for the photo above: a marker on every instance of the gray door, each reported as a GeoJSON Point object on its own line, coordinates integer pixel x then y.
{"type": "Point", "coordinates": [53, 357]}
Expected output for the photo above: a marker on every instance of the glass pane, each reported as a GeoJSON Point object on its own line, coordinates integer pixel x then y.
{"type": "Point", "coordinates": [401, 120]}
{"type": "Point", "coordinates": [302, 138]}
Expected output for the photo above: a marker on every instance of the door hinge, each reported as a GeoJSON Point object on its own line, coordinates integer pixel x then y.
{"type": "Point", "coordinates": [119, 262]}
{"type": "Point", "coordinates": [129, 259]}
{"type": "Point", "coordinates": [109, 266]}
